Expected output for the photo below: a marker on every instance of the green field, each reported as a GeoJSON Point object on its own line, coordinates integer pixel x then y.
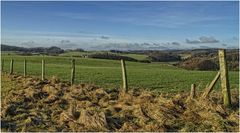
{"type": "Point", "coordinates": [78, 54]}
{"type": "Point", "coordinates": [107, 73]}
{"type": "Point", "coordinates": [70, 54]}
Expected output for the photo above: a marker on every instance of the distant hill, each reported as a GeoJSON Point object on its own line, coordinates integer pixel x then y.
{"type": "Point", "coordinates": [28, 51]}
{"type": "Point", "coordinates": [12, 48]}
{"type": "Point", "coordinates": [208, 60]}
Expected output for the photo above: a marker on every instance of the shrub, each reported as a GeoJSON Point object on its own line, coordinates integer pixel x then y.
{"type": "Point", "coordinates": [111, 56]}
{"type": "Point", "coordinates": [198, 63]}
{"type": "Point", "coordinates": [163, 57]}
{"type": "Point", "coordinates": [144, 61]}
{"type": "Point", "coordinates": [209, 61]}
{"type": "Point", "coordinates": [206, 65]}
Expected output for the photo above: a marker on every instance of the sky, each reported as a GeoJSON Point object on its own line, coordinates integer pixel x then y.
{"type": "Point", "coordinates": [121, 25]}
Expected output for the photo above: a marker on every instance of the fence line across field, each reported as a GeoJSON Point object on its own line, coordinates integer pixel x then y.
{"type": "Point", "coordinates": [11, 66]}
{"type": "Point", "coordinates": [2, 65]}
{"type": "Point", "coordinates": [73, 72]}
{"type": "Point", "coordinates": [222, 75]}
{"type": "Point", "coordinates": [43, 69]}
{"type": "Point", "coordinates": [25, 68]}
{"type": "Point", "coordinates": [224, 78]}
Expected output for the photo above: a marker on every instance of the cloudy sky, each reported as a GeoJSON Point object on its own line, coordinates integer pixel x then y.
{"type": "Point", "coordinates": [121, 25]}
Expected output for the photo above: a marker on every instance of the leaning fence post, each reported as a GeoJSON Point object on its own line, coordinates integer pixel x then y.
{"type": "Point", "coordinates": [43, 69]}
{"type": "Point", "coordinates": [224, 77]}
{"type": "Point", "coordinates": [209, 88]}
{"type": "Point", "coordinates": [2, 65]}
{"type": "Point", "coordinates": [193, 91]}
{"type": "Point", "coordinates": [73, 72]}
{"type": "Point", "coordinates": [25, 68]}
{"type": "Point", "coordinates": [124, 76]}
{"type": "Point", "coordinates": [11, 67]}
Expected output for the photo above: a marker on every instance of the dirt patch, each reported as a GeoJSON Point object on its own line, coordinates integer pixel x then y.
{"type": "Point", "coordinates": [52, 105]}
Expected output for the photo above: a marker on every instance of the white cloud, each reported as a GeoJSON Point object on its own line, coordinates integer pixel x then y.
{"type": "Point", "coordinates": [148, 17]}
{"type": "Point", "coordinates": [203, 39]}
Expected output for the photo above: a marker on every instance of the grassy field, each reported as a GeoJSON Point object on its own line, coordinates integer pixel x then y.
{"type": "Point", "coordinates": [135, 56]}
{"type": "Point", "coordinates": [70, 54]}
{"type": "Point", "coordinates": [107, 73]}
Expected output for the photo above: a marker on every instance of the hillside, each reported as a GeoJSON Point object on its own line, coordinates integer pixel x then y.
{"type": "Point", "coordinates": [195, 59]}
{"type": "Point", "coordinates": [107, 73]}
{"type": "Point", "coordinates": [208, 60]}
{"type": "Point", "coordinates": [36, 50]}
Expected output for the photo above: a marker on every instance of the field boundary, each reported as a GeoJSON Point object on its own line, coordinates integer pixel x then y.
{"type": "Point", "coordinates": [222, 75]}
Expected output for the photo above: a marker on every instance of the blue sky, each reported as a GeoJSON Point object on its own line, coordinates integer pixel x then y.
{"type": "Point", "coordinates": [121, 25]}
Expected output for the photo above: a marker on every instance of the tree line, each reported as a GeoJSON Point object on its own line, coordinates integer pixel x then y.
{"type": "Point", "coordinates": [37, 50]}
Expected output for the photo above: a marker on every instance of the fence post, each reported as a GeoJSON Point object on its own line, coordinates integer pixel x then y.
{"type": "Point", "coordinates": [73, 72]}
{"type": "Point", "coordinates": [43, 69]}
{"type": "Point", "coordinates": [193, 91]}
{"type": "Point", "coordinates": [224, 77]}
{"type": "Point", "coordinates": [210, 87]}
{"type": "Point", "coordinates": [11, 67]}
{"type": "Point", "coordinates": [2, 65]}
{"type": "Point", "coordinates": [25, 68]}
{"type": "Point", "coordinates": [124, 76]}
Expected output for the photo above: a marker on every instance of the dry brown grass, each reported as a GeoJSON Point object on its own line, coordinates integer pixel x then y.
{"type": "Point", "coordinates": [52, 105]}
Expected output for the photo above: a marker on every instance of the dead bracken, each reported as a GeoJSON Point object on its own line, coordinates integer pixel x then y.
{"type": "Point", "coordinates": [52, 105]}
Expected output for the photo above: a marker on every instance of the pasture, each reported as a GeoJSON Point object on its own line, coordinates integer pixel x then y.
{"type": "Point", "coordinates": [78, 54]}
{"type": "Point", "coordinates": [162, 77]}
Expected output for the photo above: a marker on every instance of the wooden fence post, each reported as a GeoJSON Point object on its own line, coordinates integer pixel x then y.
{"type": "Point", "coordinates": [25, 68]}
{"type": "Point", "coordinates": [193, 91]}
{"type": "Point", "coordinates": [224, 77]}
{"type": "Point", "coordinates": [11, 67]}
{"type": "Point", "coordinates": [210, 87]}
{"type": "Point", "coordinates": [43, 69]}
{"type": "Point", "coordinates": [73, 72]}
{"type": "Point", "coordinates": [2, 65]}
{"type": "Point", "coordinates": [124, 76]}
